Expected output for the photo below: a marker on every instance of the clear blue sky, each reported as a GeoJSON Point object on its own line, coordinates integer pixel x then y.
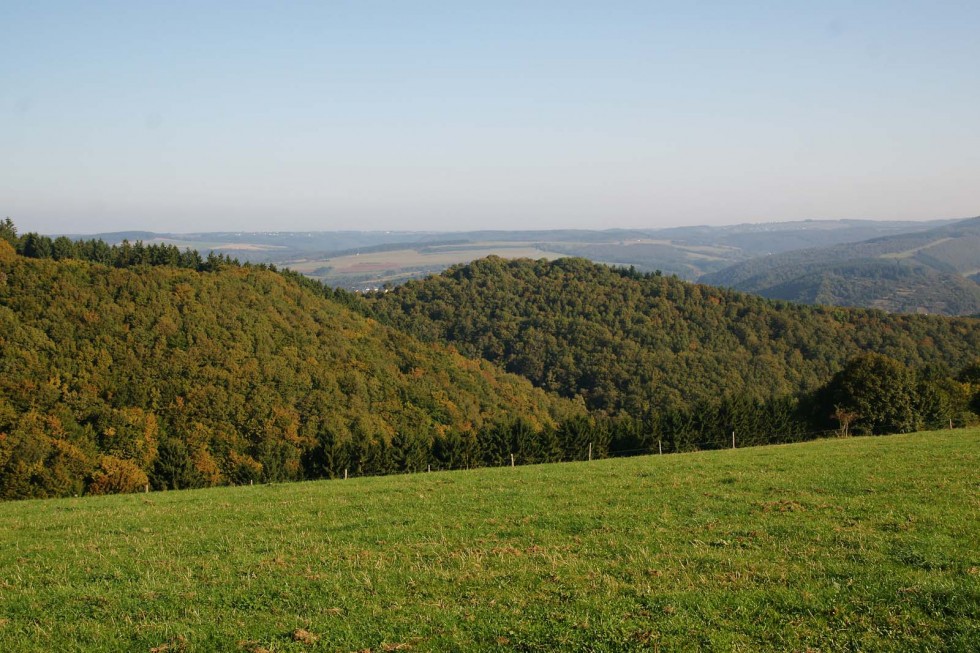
{"type": "Point", "coordinates": [194, 116]}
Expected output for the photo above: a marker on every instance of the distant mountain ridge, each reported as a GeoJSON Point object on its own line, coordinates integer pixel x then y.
{"type": "Point", "coordinates": [767, 237]}
{"type": "Point", "coordinates": [931, 271]}
{"type": "Point", "coordinates": [688, 252]}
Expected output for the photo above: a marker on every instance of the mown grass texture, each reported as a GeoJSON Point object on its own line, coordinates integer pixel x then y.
{"type": "Point", "coordinates": [853, 544]}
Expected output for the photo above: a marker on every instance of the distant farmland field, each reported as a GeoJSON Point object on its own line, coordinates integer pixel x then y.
{"type": "Point", "coordinates": [855, 544]}
{"type": "Point", "coordinates": [376, 268]}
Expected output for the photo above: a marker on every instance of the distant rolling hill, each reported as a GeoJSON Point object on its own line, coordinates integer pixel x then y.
{"type": "Point", "coordinates": [396, 256]}
{"type": "Point", "coordinates": [692, 252]}
{"type": "Point", "coordinates": [625, 341]}
{"type": "Point", "coordinates": [932, 271]}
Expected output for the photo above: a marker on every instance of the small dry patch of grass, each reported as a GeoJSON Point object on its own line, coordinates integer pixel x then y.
{"type": "Point", "coordinates": [304, 636]}
{"type": "Point", "coordinates": [176, 645]}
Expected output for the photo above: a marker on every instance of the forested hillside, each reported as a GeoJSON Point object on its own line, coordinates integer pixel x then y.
{"type": "Point", "coordinates": [131, 365]}
{"type": "Point", "coordinates": [932, 271]}
{"type": "Point", "coordinates": [634, 342]}
{"type": "Point", "coordinates": [112, 377]}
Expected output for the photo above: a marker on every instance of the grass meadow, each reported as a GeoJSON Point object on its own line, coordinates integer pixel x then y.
{"type": "Point", "coordinates": [866, 544]}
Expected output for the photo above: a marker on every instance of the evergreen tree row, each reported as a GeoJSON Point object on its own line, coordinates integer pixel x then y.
{"type": "Point", "coordinates": [125, 254]}
{"type": "Point", "coordinates": [874, 394]}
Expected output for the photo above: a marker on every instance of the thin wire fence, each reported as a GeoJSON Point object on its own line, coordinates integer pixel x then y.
{"type": "Point", "coordinates": [657, 448]}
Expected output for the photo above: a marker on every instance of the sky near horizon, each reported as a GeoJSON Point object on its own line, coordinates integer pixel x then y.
{"type": "Point", "coordinates": [206, 116]}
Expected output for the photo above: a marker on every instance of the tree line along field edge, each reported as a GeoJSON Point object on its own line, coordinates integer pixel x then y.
{"type": "Point", "coordinates": [119, 373]}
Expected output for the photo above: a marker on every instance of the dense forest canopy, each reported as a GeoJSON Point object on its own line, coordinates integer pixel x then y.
{"type": "Point", "coordinates": [631, 342]}
{"type": "Point", "coordinates": [130, 366]}
{"type": "Point", "coordinates": [112, 377]}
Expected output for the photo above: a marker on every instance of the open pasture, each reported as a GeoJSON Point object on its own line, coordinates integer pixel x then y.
{"type": "Point", "coordinates": [855, 544]}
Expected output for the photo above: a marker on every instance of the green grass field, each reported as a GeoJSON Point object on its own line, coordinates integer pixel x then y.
{"type": "Point", "coordinates": [858, 544]}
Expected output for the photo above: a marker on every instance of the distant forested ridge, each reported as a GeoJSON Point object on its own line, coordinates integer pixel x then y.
{"type": "Point", "coordinates": [113, 377]}
{"type": "Point", "coordinates": [630, 343]}
{"type": "Point", "coordinates": [933, 271]}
